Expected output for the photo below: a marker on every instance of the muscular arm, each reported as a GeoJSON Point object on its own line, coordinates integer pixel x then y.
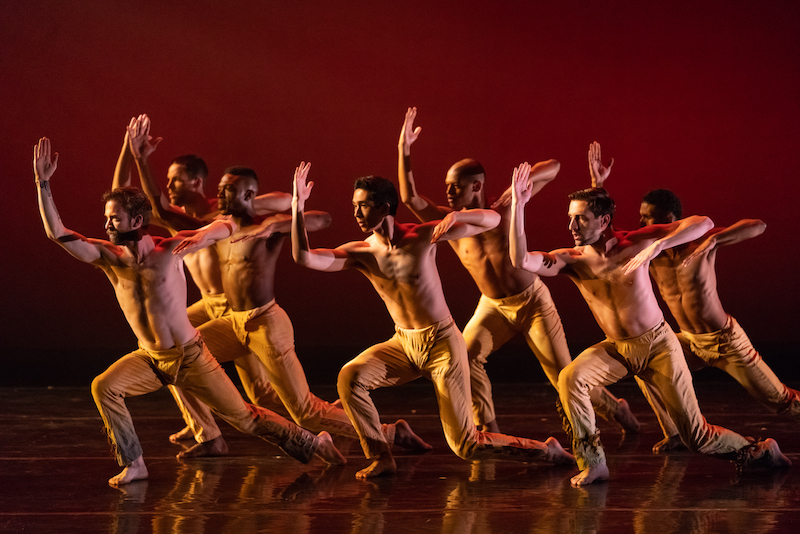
{"type": "Point", "coordinates": [44, 165]}
{"type": "Point", "coordinates": [122, 171]}
{"type": "Point", "coordinates": [423, 208]}
{"type": "Point", "coordinates": [464, 223]}
{"type": "Point", "coordinates": [330, 260]}
{"type": "Point", "coordinates": [540, 175]}
{"type": "Point", "coordinates": [190, 241]}
{"type": "Point", "coordinates": [274, 202]}
{"type": "Point", "coordinates": [735, 233]}
{"type": "Point", "coordinates": [667, 236]}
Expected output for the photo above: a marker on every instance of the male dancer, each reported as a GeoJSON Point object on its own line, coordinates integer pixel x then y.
{"type": "Point", "coordinates": [400, 262]}
{"type": "Point", "coordinates": [151, 289]}
{"type": "Point", "coordinates": [606, 264]}
{"type": "Point", "coordinates": [255, 322]}
{"type": "Point", "coordinates": [186, 208]}
{"type": "Point", "coordinates": [512, 300]}
{"type": "Point", "coordinates": [687, 280]}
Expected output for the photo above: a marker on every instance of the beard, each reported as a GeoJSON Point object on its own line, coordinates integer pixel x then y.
{"type": "Point", "coordinates": [119, 238]}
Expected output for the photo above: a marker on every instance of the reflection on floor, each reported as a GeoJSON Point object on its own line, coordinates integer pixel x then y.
{"type": "Point", "coordinates": [54, 464]}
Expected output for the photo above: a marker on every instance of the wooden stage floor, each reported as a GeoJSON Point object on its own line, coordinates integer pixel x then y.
{"type": "Point", "coordinates": [54, 464]}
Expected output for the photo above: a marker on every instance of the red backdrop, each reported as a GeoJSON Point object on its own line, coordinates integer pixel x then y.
{"type": "Point", "coordinates": [701, 98]}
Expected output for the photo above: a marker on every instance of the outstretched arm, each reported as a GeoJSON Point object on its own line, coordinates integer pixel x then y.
{"type": "Point", "coordinates": [44, 165]}
{"type": "Point", "coordinates": [735, 233]}
{"type": "Point", "coordinates": [464, 223]}
{"type": "Point", "coordinates": [423, 208]}
{"type": "Point", "coordinates": [597, 171]}
{"type": "Point", "coordinates": [274, 202]}
{"type": "Point", "coordinates": [281, 223]}
{"type": "Point", "coordinates": [194, 240]}
{"type": "Point", "coordinates": [540, 175]}
{"type": "Point", "coordinates": [318, 259]}
{"type": "Point", "coordinates": [667, 236]}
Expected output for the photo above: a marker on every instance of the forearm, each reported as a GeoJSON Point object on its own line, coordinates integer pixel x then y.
{"type": "Point", "coordinates": [150, 187]}
{"type": "Point", "coordinates": [53, 226]}
{"type": "Point", "coordinates": [122, 171]}
{"type": "Point", "coordinates": [274, 202]}
{"type": "Point", "coordinates": [405, 179]}
{"type": "Point", "coordinates": [517, 241]}
{"type": "Point", "coordinates": [688, 229]}
{"type": "Point", "coordinates": [740, 231]}
{"type": "Point", "coordinates": [481, 219]}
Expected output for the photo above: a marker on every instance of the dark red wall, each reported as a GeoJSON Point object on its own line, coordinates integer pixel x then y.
{"type": "Point", "coordinates": [702, 98]}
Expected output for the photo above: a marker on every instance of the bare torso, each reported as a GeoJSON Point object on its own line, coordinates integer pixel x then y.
{"type": "Point", "coordinates": [690, 290]}
{"type": "Point", "coordinates": [248, 269]}
{"type": "Point", "coordinates": [404, 275]}
{"type": "Point", "coordinates": [486, 258]}
{"type": "Point", "coordinates": [623, 305]}
{"type": "Point", "coordinates": [151, 291]}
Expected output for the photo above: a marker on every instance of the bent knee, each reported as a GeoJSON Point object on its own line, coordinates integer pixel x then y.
{"type": "Point", "coordinates": [572, 380]}
{"type": "Point", "coordinates": [102, 386]}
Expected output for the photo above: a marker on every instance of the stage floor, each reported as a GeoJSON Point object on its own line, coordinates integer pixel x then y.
{"type": "Point", "coordinates": [55, 465]}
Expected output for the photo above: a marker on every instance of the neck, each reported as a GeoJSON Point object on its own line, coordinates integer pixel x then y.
{"type": "Point", "coordinates": [387, 230]}
{"type": "Point", "coordinates": [139, 247]}
{"type": "Point", "coordinates": [605, 242]}
{"type": "Point", "coordinates": [196, 205]}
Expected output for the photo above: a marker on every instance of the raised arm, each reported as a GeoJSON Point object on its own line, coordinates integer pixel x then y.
{"type": "Point", "coordinates": [44, 165]}
{"type": "Point", "coordinates": [421, 206]}
{"type": "Point", "coordinates": [667, 236]}
{"type": "Point", "coordinates": [540, 175]}
{"type": "Point", "coordinates": [535, 262]}
{"type": "Point", "coordinates": [141, 147]}
{"type": "Point", "coordinates": [735, 233]}
{"type": "Point", "coordinates": [122, 171]}
{"type": "Point", "coordinates": [597, 170]}
{"type": "Point", "coordinates": [330, 260]}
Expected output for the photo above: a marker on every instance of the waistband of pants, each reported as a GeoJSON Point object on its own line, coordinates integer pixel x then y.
{"type": "Point", "coordinates": [521, 297]}
{"type": "Point", "coordinates": [709, 336]}
{"type": "Point", "coordinates": [646, 336]}
{"type": "Point", "coordinates": [214, 298]}
{"type": "Point", "coordinates": [254, 312]}
{"type": "Point", "coordinates": [172, 353]}
{"type": "Point", "coordinates": [440, 326]}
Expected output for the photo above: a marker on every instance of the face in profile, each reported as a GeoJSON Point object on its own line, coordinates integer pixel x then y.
{"type": "Point", "coordinates": [649, 214]}
{"type": "Point", "coordinates": [585, 227]}
{"type": "Point", "coordinates": [119, 225]}
{"type": "Point", "coordinates": [232, 194]}
{"type": "Point", "coordinates": [462, 191]}
{"type": "Point", "coordinates": [367, 215]}
{"type": "Point", "coordinates": [180, 184]}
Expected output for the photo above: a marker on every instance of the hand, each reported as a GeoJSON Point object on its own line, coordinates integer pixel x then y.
{"type": "Point", "coordinates": [444, 225]}
{"type": "Point", "coordinates": [409, 134]}
{"type": "Point", "coordinates": [191, 244]}
{"type": "Point", "coordinates": [521, 184]}
{"type": "Point", "coordinates": [704, 248]}
{"type": "Point", "coordinates": [504, 201]}
{"type": "Point", "coordinates": [643, 257]}
{"type": "Point", "coordinates": [597, 171]}
{"type": "Point", "coordinates": [140, 140]}
{"type": "Point", "coordinates": [301, 190]}
{"type": "Point", "coordinates": [44, 165]}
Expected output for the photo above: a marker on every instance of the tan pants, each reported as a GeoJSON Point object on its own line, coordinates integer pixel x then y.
{"type": "Point", "coordinates": [533, 313]}
{"type": "Point", "coordinates": [439, 354]}
{"type": "Point", "coordinates": [730, 349]}
{"type": "Point", "coordinates": [657, 359]}
{"type": "Point", "coordinates": [192, 368]}
{"type": "Point", "coordinates": [250, 369]}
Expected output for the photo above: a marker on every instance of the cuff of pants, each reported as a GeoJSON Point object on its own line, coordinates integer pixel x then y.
{"type": "Point", "coordinates": [588, 451]}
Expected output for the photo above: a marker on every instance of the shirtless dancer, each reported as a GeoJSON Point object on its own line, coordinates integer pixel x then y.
{"type": "Point", "coordinates": [151, 290]}
{"type": "Point", "coordinates": [186, 208]}
{"type": "Point", "coordinates": [606, 265]}
{"type": "Point", "coordinates": [512, 300]}
{"type": "Point", "coordinates": [255, 322]}
{"type": "Point", "coordinates": [687, 280]}
{"type": "Point", "coordinates": [400, 262]}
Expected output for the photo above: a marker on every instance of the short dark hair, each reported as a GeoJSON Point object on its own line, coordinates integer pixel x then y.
{"type": "Point", "coordinates": [381, 190]}
{"type": "Point", "coordinates": [664, 200]}
{"type": "Point", "coordinates": [194, 166]}
{"type": "Point", "coordinates": [468, 167]}
{"type": "Point", "coordinates": [242, 171]}
{"type": "Point", "coordinates": [133, 201]}
{"type": "Point", "coordinates": [597, 200]}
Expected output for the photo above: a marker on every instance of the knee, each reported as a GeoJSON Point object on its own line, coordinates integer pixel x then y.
{"type": "Point", "coordinates": [101, 386]}
{"type": "Point", "coordinates": [571, 382]}
{"type": "Point", "coordinates": [349, 379]}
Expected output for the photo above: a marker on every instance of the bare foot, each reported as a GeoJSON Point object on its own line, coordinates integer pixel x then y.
{"type": "Point", "coordinates": [384, 465]}
{"type": "Point", "coordinates": [491, 426]}
{"type": "Point", "coordinates": [406, 438]}
{"type": "Point", "coordinates": [556, 453]}
{"type": "Point", "coordinates": [327, 451]}
{"type": "Point", "coordinates": [672, 443]}
{"type": "Point", "coordinates": [624, 416]}
{"type": "Point", "coordinates": [768, 455]}
{"type": "Point", "coordinates": [215, 447]}
{"type": "Point", "coordinates": [136, 470]}
{"type": "Point", "coordinates": [589, 475]}
{"type": "Point", "coordinates": [183, 435]}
